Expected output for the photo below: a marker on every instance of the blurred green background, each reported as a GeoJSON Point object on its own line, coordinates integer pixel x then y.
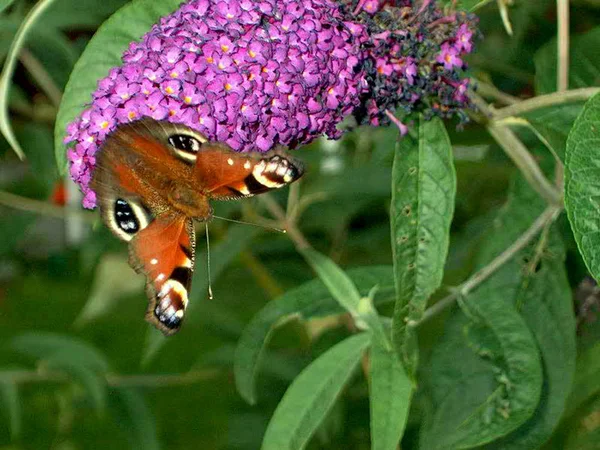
{"type": "Point", "coordinates": [61, 271]}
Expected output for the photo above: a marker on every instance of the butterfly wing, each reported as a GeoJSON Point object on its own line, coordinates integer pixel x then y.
{"type": "Point", "coordinates": [225, 174]}
{"type": "Point", "coordinates": [135, 170]}
{"type": "Point", "coordinates": [164, 253]}
{"type": "Point", "coordinates": [152, 178]}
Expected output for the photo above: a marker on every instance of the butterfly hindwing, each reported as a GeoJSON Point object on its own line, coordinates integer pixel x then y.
{"type": "Point", "coordinates": [164, 253]}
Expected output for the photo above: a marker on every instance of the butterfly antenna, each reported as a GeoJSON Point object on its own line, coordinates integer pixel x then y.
{"type": "Point", "coordinates": [279, 230]}
{"type": "Point", "coordinates": [210, 293]}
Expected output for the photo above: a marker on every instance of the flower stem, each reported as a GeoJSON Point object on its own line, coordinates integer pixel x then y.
{"type": "Point", "coordinates": [491, 91]}
{"type": "Point", "coordinates": [290, 227]}
{"type": "Point", "coordinates": [562, 74]}
{"type": "Point", "coordinates": [549, 215]}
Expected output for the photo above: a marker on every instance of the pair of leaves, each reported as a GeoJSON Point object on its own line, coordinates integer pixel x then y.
{"type": "Point", "coordinates": [295, 420]}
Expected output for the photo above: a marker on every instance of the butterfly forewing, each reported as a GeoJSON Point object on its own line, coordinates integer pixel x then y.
{"type": "Point", "coordinates": [225, 174]}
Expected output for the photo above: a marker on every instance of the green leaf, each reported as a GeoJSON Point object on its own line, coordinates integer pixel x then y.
{"type": "Point", "coordinates": [339, 284]}
{"type": "Point", "coordinates": [312, 394]}
{"type": "Point", "coordinates": [390, 397]}
{"type": "Point", "coordinates": [103, 52]}
{"type": "Point", "coordinates": [545, 296]}
{"type": "Point", "coordinates": [486, 374]}
{"type": "Point", "coordinates": [423, 191]}
{"type": "Point", "coordinates": [584, 65]}
{"type": "Point", "coordinates": [9, 68]}
{"type": "Point", "coordinates": [43, 345]}
{"type": "Point", "coordinates": [582, 175]}
{"type": "Point", "coordinates": [310, 300]}
{"type": "Point", "coordinates": [9, 395]}
{"type": "Point", "coordinates": [5, 4]}
{"type": "Point", "coordinates": [134, 416]}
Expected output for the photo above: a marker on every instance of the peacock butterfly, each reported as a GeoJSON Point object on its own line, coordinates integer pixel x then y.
{"type": "Point", "coordinates": [153, 179]}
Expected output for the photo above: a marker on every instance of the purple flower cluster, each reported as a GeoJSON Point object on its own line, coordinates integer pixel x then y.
{"type": "Point", "coordinates": [259, 73]}
{"type": "Point", "coordinates": [414, 61]}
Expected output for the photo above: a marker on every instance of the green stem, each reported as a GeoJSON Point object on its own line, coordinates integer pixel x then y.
{"type": "Point", "coordinates": [42, 208]}
{"type": "Point", "coordinates": [517, 151]}
{"type": "Point", "coordinates": [42, 77]}
{"type": "Point", "coordinates": [491, 91]}
{"type": "Point", "coordinates": [530, 169]}
{"type": "Point", "coordinates": [145, 380]}
{"type": "Point", "coordinates": [544, 101]}
{"type": "Point", "coordinates": [549, 215]}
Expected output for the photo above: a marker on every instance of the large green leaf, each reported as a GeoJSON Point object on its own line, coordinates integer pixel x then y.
{"type": "Point", "coordinates": [545, 296]}
{"type": "Point", "coordinates": [486, 375]}
{"type": "Point", "coordinates": [103, 52]}
{"type": "Point", "coordinates": [423, 191]}
{"type": "Point", "coordinates": [312, 395]}
{"type": "Point", "coordinates": [310, 300]}
{"type": "Point", "coordinates": [9, 67]}
{"type": "Point", "coordinates": [582, 183]}
{"type": "Point", "coordinates": [390, 397]}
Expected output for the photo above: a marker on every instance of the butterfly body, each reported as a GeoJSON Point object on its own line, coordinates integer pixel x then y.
{"type": "Point", "coordinates": [153, 179]}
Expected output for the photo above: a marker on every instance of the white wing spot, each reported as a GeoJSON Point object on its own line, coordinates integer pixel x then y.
{"type": "Point", "coordinates": [230, 162]}
{"type": "Point", "coordinates": [154, 261]}
{"type": "Point", "coordinates": [247, 165]}
{"type": "Point", "coordinates": [160, 277]}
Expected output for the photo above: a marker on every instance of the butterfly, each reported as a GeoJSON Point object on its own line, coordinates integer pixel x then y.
{"type": "Point", "coordinates": [153, 179]}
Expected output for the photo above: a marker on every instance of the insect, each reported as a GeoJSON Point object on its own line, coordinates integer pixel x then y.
{"type": "Point", "coordinates": [153, 179]}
